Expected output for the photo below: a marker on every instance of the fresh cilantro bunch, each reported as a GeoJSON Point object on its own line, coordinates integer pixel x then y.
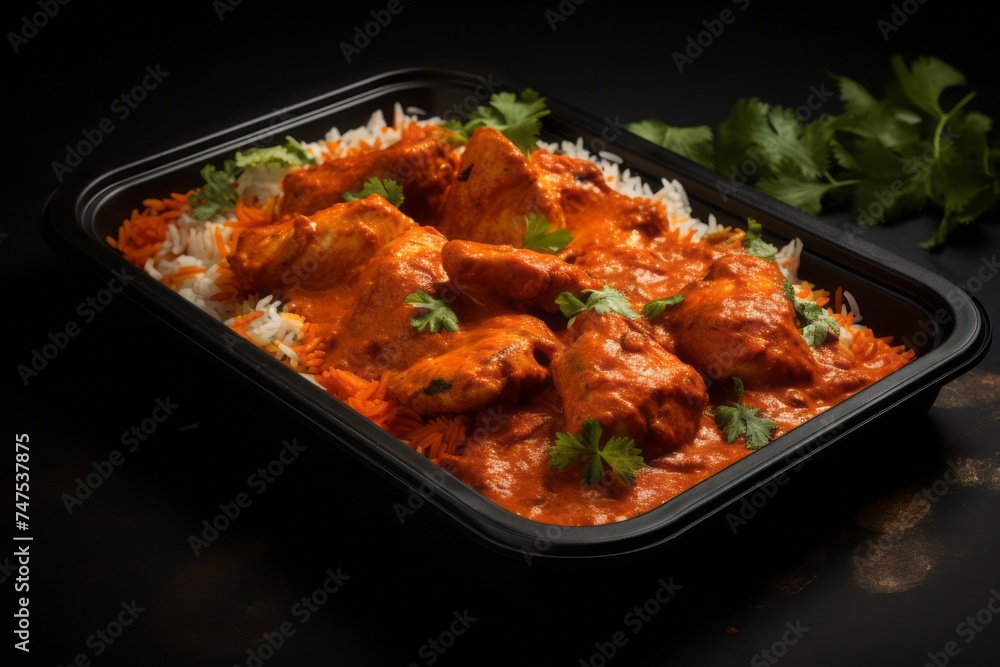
{"type": "Point", "coordinates": [619, 452]}
{"type": "Point", "coordinates": [518, 117]}
{"type": "Point", "coordinates": [694, 143]}
{"type": "Point", "coordinates": [219, 191]}
{"type": "Point", "coordinates": [915, 148]}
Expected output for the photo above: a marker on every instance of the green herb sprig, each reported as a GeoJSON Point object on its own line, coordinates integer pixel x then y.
{"type": "Point", "coordinates": [754, 243]}
{"type": "Point", "coordinates": [438, 317]}
{"type": "Point", "coordinates": [656, 307]}
{"type": "Point", "coordinates": [738, 421]}
{"type": "Point", "coordinates": [602, 301]}
{"type": "Point", "coordinates": [389, 189]}
{"type": "Point", "coordinates": [619, 452]}
{"type": "Point", "coordinates": [816, 322]}
{"type": "Point", "coordinates": [219, 191]}
{"type": "Point", "coordinates": [537, 236]}
{"type": "Point", "coordinates": [518, 117]}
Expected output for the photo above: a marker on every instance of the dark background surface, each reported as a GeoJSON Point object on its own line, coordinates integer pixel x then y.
{"type": "Point", "coordinates": [806, 559]}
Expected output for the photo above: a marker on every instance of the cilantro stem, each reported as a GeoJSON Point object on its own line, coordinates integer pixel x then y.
{"type": "Point", "coordinates": [835, 183]}
{"type": "Point", "coordinates": [944, 120]}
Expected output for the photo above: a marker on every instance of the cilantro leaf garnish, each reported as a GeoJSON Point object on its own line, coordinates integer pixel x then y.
{"type": "Point", "coordinates": [570, 306]}
{"type": "Point", "coordinates": [518, 117]}
{"type": "Point", "coordinates": [603, 301]}
{"type": "Point", "coordinates": [738, 421]}
{"type": "Point", "coordinates": [817, 322]}
{"type": "Point", "coordinates": [754, 243]}
{"type": "Point", "coordinates": [438, 316]}
{"type": "Point", "coordinates": [619, 452]}
{"type": "Point", "coordinates": [390, 189]}
{"type": "Point", "coordinates": [656, 307]}
{"type": "Point", "coordinates": [694, 143]}
{"type": "Point", "coordinates": [538, 237]}
{"type": "Point", "coordinates": [217, 194]}
{"type": "Point", "coordinates": [219, 191]}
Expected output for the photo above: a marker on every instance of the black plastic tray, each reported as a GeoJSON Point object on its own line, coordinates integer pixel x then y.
{"type": "Point", "coordinates": [949, 328]}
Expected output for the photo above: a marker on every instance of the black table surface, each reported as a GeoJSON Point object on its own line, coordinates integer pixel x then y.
{"type": "Point", "coordinates": [844, 566]}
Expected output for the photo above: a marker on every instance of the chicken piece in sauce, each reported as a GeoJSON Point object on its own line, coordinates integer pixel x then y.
{"type": "Point", "coordinates": [498, 186]}
{"type": "Point", "coordinates": [502, 274]}
{"type": "Point", "coordinates": [372, 329]}
{"type": "Point", "coordinates": [493, 360]}
{"type": "Point", "coordinates": [493, 192]}
{"type": "Point", "coordinates": [739, 322]}
{"type": "Point", "coordinates": [425, 165]}
{"type": "Point", "coordinates": [613, 372]}
{"type": "Point", "coordinates": [325, 249]}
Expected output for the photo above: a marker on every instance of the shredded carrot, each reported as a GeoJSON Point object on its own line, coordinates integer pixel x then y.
{"type": "Point", "coordinates": [181, 274]}
{"type": "Point", "coordinates": [368, 397]}
{"type": "Point", "coordinates": [226, 282]}
{"type": "Point", "coordinates": [220, 243]}
{"type": "Point", "coordinates": [439, 436]}
{"type": "Point", "coordinates": [141, 235]}
{"type": "Point", "coordinates": [845, 321]}
{"type": "Point", "coordinates": [244, 320]}
{"type": "Point", "coordinates": [251, 213]}
{"type": "Point", "coordinates": [863, 345]}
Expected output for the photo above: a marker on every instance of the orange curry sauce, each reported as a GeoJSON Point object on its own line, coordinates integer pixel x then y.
{"type": "Point", "coordinates": [514, 368]}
